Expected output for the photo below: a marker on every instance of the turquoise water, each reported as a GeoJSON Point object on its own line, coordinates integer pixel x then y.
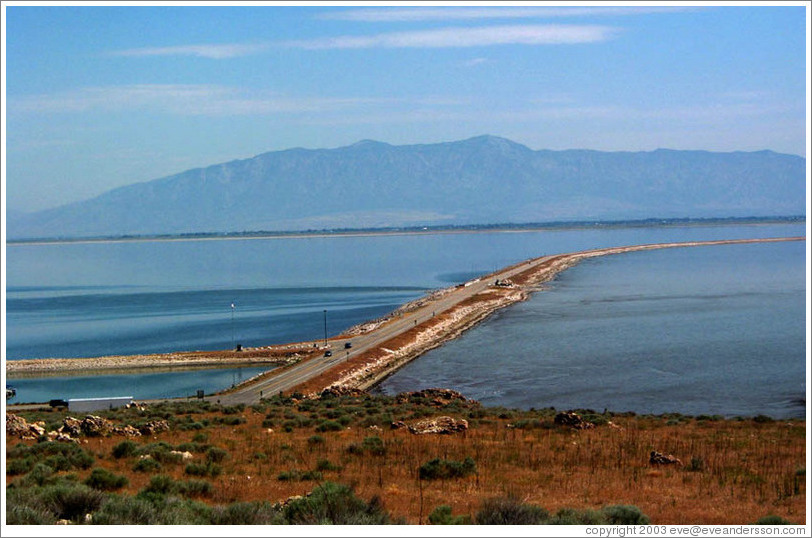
{"type": "Point", "coordinates": [84, 300]}
{"type": "Point", "coordinates": [705, 330]}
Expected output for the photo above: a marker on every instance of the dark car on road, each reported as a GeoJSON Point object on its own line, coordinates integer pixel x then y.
{"type": "Point", "coordinates": [328, 353]}
{"type": "Point", "coordinates": [348, 345]}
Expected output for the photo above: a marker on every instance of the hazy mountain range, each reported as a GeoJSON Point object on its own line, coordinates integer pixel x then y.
{"type": "Point", "coordinates": [481, 180]}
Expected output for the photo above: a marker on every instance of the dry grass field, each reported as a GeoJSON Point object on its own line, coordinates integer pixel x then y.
{"type": "Point", "coordinates": [732, 472]}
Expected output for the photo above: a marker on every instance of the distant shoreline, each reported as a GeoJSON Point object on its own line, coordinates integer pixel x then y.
{"type": "Point", "coordinates": [420, 230]}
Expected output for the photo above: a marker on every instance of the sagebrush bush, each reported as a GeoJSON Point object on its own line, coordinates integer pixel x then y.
{"type": "Point", "coordinates": [203, 469]}
{"type": "Point", "coordinates": [19, 466]}
{"type": "Point", "coordinates": [126, 510]}
{"type": "Point", "coordinates": [215, 454]}
{"type": "Point", "coordinates": [772, 520]}
{"type": "Point", "coordinates": [195, 488]}
{"type": "Point", "coordinates": [124, 449]}
{"type": "Point", "coordinates": [329, 426]}
{"type": "Point", "coordinates": [299, 476]}
{"type": "Point", "coordinates": [326, 465]}
{"type": "Point", "coordinates": [57, 456]}
{"type": "Point", "coordinates": [40, 475]}
{"type": "Point", "coordinates": [245, 513]}
{"type": "Point", "coordinates": [442, 516]}
{"type": "Point", "coordinates": [443, 469]}
{"type": "Point", "coordinates": [71, 501]}
{"type": "Point", "coordinates": [335, 504]}
{"type": "Point", "coordinates": [621, 514]}
{"type": "Point", "coordinates": [570, 516]}
{"type": "Point", "coordinates": [28, 515]}
{"type": "Point", "coordinates": [510, 511]}
{"type": "Point", "coordinates": [146, 465]}
{"type": "Point", "coordinates": [314, 440]}
{"type": "Point", "coordinates": [105, 480]}
{"type": "Point", "coordinates": [162, 484]}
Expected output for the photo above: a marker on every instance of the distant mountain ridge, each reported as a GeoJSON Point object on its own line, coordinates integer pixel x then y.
{"type": "Point", "coordinates": [479, 180]}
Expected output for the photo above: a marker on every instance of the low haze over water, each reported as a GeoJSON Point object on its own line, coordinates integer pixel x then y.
{"type": "Point", "coordinates": [619, 332]}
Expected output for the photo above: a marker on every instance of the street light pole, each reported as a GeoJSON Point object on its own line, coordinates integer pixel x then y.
{"type": "Point", "coordinates": [232, 325]}
{"type": "Point", "coordinates": [325, 328]}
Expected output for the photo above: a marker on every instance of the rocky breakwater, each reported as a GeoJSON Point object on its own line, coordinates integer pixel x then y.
{"type": "Point", "coordinates": [271, 355]}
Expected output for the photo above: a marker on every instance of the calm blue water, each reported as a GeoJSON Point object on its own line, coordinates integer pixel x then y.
{"type": "Point", "coordinates": [706, 330]}
{"type": "Point", "coordinates": [140, 386]}
{"type": "Point", "coordinates": [84, 300]}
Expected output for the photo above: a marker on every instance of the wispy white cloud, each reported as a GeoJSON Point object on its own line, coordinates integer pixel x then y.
{"type": "Point", "coordinates": [209, 100]}
{"type": "Point", "coordinates": [188, 99]}
{"type": "Point", "coordinates": [213, 51]}
{"type": "Point", "coordinates": [551, 34]}
{"type": "Point", "coordinates": [475, 61]}
{"type": "Point", "coordinates": [474, 13]}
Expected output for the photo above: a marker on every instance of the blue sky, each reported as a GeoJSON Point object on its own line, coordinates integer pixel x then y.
{"type": "Point", "coordinates": [103, 96]}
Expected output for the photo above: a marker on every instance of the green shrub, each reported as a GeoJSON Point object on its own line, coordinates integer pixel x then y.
{"type": "Point", "coordinates": [762, 419]}
{"type": "Point", "coordinates": [314, 440]}
{"type": "Point", "coordinates": [188, 426]}
{"type": "Point", "coordinates": [570, 516]}
{"type": "Point", "coordinates": [40, 475]}
{"type": "Point", "coordinates": [334, 504]}
{"type": "Point", "coordinates": [124, 449]}
{"type": "Point", "coordinates": [19, 466]}
{"type": "Point", "coordinates": [233, 409]}
{"type": "Point", "coordinates": [245, 513]}
{"type": "Point", "coordinates": [510, 511]}
{"type": "Point", "coordinates": [299, 476]}
{"type": "Point", "coordinates": [105, 480]}
{"type": "Point", "coordinates": [200, 438]}
{"type": "Point", "coordinates": [444, 469]}
{"type": "Point", "coordinates": [57, 456]}
{"type": "Point", "coordinates": [215, 454]}
{"type": "Point", "coordinates": [203, 469]}
{"type": "Point", "coordinates": [178, 511]}
{"type": "Point", "coordinates": [146, 465]}
{"type": "Point", "coordinates": [230, 421]}
{"type": "Point", "coordinates": [71, 501]}
{"type": "Point", "coordinates": [162, 484]}
{"type": "Point", "coordinates": [442, 516]}
{"type": "Point", "coordinates": [126, 510]}
{"type": "Point", "coordinates": [28, 515]}
{"type": "Point", "coordinates": [329, 426]}
{"type": "Point", "coordinates": [195, 488]}
{"type": "Point", "coordinates": [772, 520]}
{"type": "Point", "coordinates": [325, 465]}
{"type": "Point", "coordinates": [621, 514]}
{"type": "Point", "coordinates": [374, 445]}
{"type": "Point", "coordinates": [192, 447]}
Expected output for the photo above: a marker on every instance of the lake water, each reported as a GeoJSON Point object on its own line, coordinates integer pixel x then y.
{"type": "Point", "coordinates": [84, 300]}
{"type": "Point", "coordinates": [705, 330]}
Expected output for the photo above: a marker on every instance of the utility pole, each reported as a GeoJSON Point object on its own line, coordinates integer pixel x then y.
{"type": "Point", "coordinates": [232, 325]}
{"type": "Point", "coordinates": [325, 328]}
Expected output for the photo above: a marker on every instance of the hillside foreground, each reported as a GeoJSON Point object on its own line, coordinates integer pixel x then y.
{"type": "Point", "coordinates": [199, 462]}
